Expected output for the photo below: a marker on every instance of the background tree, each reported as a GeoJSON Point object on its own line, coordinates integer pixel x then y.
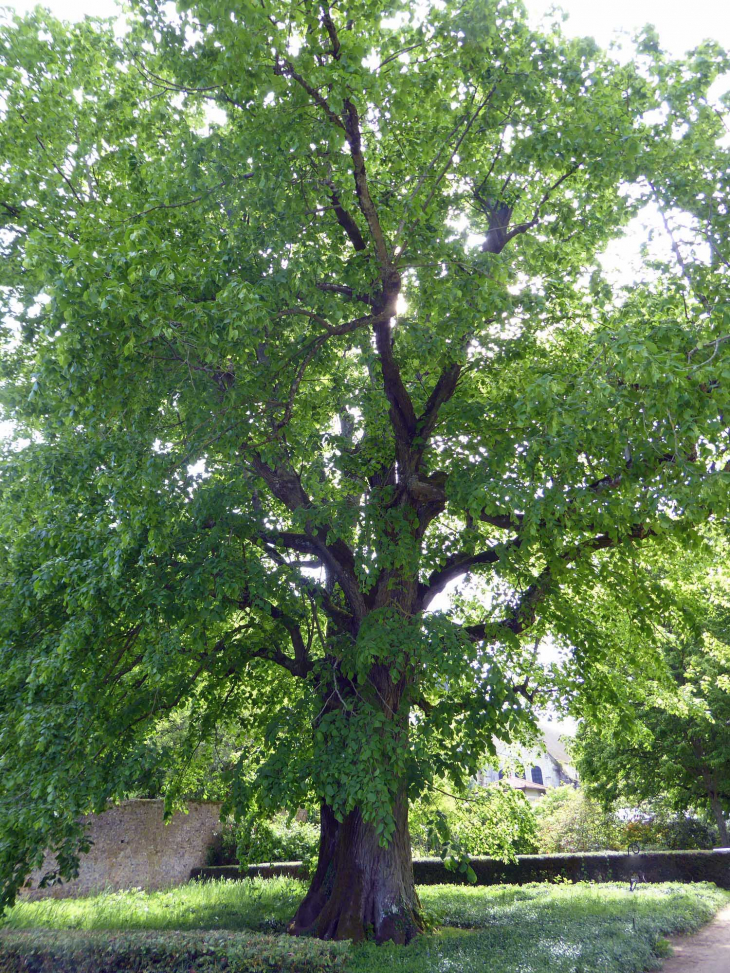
{"type": "Point", "coordinates": [568, 820]}
{"type": "Point", "coordinates": [281, 373]}
{"type": "Point", "coordinates": [670, 737]}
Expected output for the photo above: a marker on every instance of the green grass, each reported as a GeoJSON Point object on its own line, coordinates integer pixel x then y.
{"type": "Point", "coordinates": [498, 929]}
{"type": "Point", "coordinates": [549, 928]}
{"type": "Point", "coordinates": [260, 905]}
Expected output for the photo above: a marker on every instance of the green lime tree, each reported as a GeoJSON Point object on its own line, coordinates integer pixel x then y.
{"type": "Point", "coordinates": [305, 322]}
{"type": "Point", "coordinates": [668, 738]}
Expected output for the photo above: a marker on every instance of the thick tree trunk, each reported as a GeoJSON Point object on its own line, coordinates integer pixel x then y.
{"type": "Point", "coordinates": [360, 890]}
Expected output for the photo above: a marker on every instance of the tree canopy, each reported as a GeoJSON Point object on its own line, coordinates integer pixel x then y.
{"type": "Point", "coordinates": [306, 321]}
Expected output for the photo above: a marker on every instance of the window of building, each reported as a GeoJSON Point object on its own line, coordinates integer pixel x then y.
{"type": "Point", "coordinates": [537, 775]}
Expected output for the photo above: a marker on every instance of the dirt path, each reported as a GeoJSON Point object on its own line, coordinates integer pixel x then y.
{"type": "Point", "coordinates": [707, 952]}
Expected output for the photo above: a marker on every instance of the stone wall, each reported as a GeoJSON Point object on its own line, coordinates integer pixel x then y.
{"type": "Point", "coordinates": [134, 848]}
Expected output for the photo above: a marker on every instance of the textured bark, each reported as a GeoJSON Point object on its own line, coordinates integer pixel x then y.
{"type": "Point", "coordinates": [360, 890]}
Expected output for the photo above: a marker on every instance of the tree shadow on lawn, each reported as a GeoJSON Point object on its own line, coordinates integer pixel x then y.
{"type": "Point", "coordinates": [532, 929]}
{"type": "Point", "coordinates": [504, 929]}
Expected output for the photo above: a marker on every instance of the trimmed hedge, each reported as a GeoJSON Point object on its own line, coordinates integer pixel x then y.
{"type": "Point", "coordinates": [609, 866]}
{"type": "Point", "coordinates": [46, 951]}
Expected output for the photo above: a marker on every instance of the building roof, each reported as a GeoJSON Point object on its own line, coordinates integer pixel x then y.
{"type": "Point", "coordinates": [551, 735]}
{"type": "Point", "coordinates": [549, 742]}
{"type": "Point", "coordinates": [520, 784]}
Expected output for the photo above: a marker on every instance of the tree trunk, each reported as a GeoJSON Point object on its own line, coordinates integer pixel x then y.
{"type": "Point", "coordinates": [360, 890]}
{"type": "Point", "coordinates": [718, 812]}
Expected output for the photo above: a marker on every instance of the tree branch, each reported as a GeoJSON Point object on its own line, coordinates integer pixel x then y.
{"type": "Point", "coordinates": [331, 32]}
{"type": "Point", "coordinates": [347, 222]}
{"type": "Point", "coordinates": [401, 411]}
{"type": "Point", "coordinates": [301, 665]}
{"type": "Point", "coordinates": [367, 207]}
{"type": "Point", "coordinates": [524, 614]}
{"type": "Point", "coordinates": [441, 393]}
{"type": "Point", "coordinates": [461, 138]}
{"type": "Point", "coordinates": [345, 291]}
{"type": "Point", "coordinates": [458, 565]}
{"type": "Point", "coordinates": [317, 343]}
{"type": "Point", "coordinates": [285, 69]}
{"type": "Point", "coordinates": [609, 482]}
{"type": "Point", "coordinates": [287, 487]}
{"type": "Point", "coordinates": [502, 521]}
{"type": "Point", "coordinates": [498, 234]}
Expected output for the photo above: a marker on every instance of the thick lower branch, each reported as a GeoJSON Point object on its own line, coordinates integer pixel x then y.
{"type": "Point", "coordinates": [459, 565]}
{"type": "Point", "coordinates": [524, 615]}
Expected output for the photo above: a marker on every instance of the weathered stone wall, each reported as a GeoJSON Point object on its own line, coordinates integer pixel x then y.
{"type": "Point", "coordinates": [134, 848]}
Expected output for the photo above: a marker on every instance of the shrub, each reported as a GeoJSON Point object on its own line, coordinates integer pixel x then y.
{"type": "Point", "coordinates": [570, 821]}
{"type": "Point", "coordinates": [74, 952]}
{"type": "Point", "coordinates": [495, 820]}
{"type": "Point", "coordinates": [254, 840]}
{"type": "Point", "coordinates": [222, 850]}
{"type": "Point", "coordinates": [682, 833]}
{"type": "Point", "coordinates": [671, 833]}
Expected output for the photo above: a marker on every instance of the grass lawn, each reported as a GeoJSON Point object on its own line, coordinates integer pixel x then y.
{"type": "Point", "coordinates": [233, 926]}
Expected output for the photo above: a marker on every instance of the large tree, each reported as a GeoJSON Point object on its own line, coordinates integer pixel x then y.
{"type": "Point", "coordinates": [282, 371]}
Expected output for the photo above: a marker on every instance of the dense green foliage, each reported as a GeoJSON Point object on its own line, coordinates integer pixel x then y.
{"type": "Point", "coordinates": [257, 840]}
{"type": "Point", "coordinates": [539, 927]}
{"type": "Point", "coordinates": [495, 821]}
{"type": "Point", "coordinates": [569, 820]}
{"type": "Point", "coordinates": [657, 827]}
{"type": "Point", "coordinates": [280, 375]}
{"type": "Point", "coordinates": [168, 767]}
{"type": "Point", "coordinates": [667, 741]}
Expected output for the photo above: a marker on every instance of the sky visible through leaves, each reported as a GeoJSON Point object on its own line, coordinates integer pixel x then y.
{"type": "Point", "coordinates": [680, 25]}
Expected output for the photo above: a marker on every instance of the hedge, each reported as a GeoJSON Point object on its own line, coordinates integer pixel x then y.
{"type": "Point", "coordinates": [610, 866]}
{"type": "Point", "coordinates": [48, 951]}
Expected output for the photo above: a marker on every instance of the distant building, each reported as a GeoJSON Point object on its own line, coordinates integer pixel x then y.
{"type": "Point", "coordinates": [534, 771]}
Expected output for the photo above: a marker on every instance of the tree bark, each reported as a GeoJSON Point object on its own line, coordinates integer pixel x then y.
{"type": "Point", "coordinates": [710, 782]}
{"type": "Point", "coordinates": [719, 814]}
{"type": "Point", "coordinates": [359, 889]}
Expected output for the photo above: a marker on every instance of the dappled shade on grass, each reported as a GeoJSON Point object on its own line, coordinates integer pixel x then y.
{"type": "Point", "coordinates": [561, 928]}
{"type": "Point", "coordinates": [261, 905]}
